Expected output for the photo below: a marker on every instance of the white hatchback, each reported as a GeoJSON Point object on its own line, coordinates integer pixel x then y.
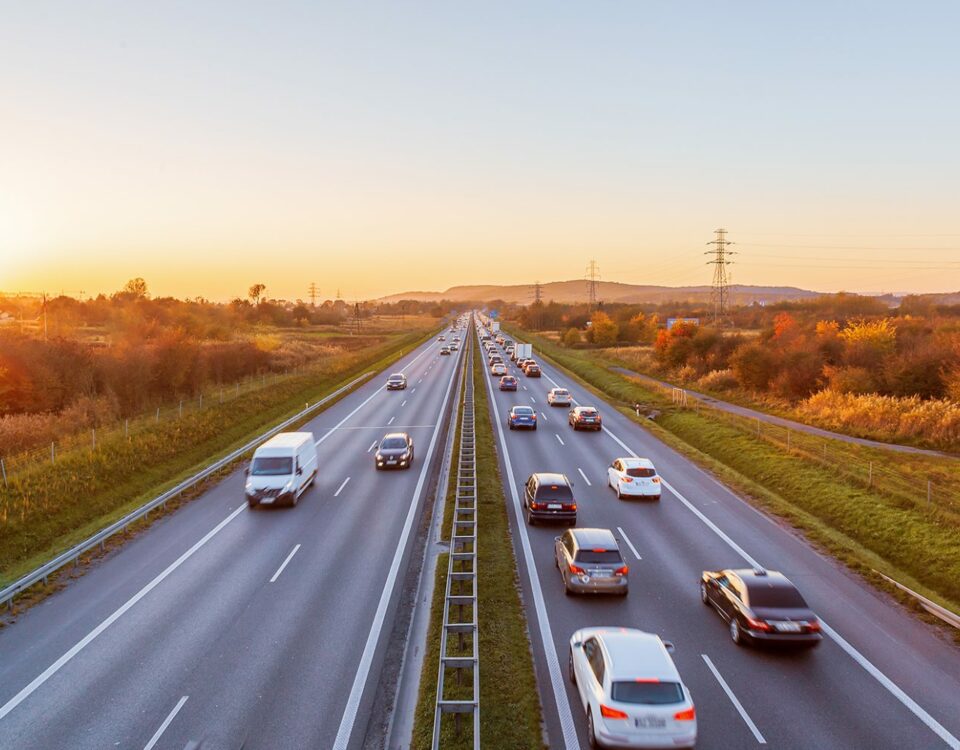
{"type": "Point", "coordinates": [559, 397]}
{"type": "Point", "coordinates": [630, 689]}
{"type": "Point", "coordinates": [498, 368]}
{"type": "Point", "coordinates": [634, 477]}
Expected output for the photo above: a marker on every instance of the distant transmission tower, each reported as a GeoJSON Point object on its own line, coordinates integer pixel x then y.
{"type": "Point", "coordinates": [538, 305]}
{"type": "Point", "coordinates": [720, 261]}
{"type": "Point", "coordinates": [314, 293]}
{"type": "Point", "coordinates": [592, 276]}
{"type": "Point", "coordinates": [356, 315]}
{"type": "Point", "coordinates": [537, 292]}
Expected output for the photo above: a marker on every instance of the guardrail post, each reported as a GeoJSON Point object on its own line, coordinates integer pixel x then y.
{"type": "Point", "coordinates": [126, 428]}
{"type": "Point", "coordinates": [870, 476]}
{"type": "Point", "coordinates": [158, 414]}
{"type": "Point", "coordinates": [3, 468]}
{"type": "Point", "coordinates": [181, 407]}
{"type": "Point", "coordinates": [758, 426]}
{"type": "Point", "coordinates": [53, 453]}
{"type": "Point", "coordinates": [929, 492]}
{"type": "Point", "coordinates": [201, 400]}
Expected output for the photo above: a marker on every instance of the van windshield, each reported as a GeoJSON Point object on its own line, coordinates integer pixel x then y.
{"type": "Point", "coordinates": [269, 466]}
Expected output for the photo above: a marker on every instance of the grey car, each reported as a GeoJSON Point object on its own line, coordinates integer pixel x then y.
{"type": "Point", "coordinates": [395, 451]}
{"type": "Point", "coordinates": [590, 562]}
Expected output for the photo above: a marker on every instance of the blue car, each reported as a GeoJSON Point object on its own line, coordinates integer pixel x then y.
{"type": "Point", "coordinates": [522, 417]}
{"type": "Point", "coordinates": [508, 383]}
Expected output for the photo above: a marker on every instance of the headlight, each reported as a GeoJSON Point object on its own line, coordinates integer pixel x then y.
{"type": "Point", "coordinates": [405, 455]}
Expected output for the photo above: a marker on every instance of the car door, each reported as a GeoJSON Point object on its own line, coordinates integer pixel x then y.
{"type": "Point", "coordinates": [528, 492]}
{"type": "Point", "coordinates": [597, 669]}
{"type": "Point", "coordinates": [584, 669]}
{"type": "Point", "coordinates": [726, 596]}
{"type": "Point", "coordinates": [614, 474]}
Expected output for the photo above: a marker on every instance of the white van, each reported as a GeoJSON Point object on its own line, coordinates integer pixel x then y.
{"type": "Point", "coordinates": [282, 469]}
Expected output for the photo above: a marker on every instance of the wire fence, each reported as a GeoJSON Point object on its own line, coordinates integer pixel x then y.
{"type": "Point", "coordinates": [871, 472]}
{"type": "Point", "coordinates": [215, 396]}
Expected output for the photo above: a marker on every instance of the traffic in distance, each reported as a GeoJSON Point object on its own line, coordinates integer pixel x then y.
{"type": "Point", "coordinates": [630, 691]}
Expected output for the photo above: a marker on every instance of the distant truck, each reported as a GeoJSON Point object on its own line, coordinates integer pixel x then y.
{"type": "Point", "coordinates": [522, 351]}
{"type": "Point", "coordinates": [282, 469]}
{"type": "Point", "coordinates": [494, 327]}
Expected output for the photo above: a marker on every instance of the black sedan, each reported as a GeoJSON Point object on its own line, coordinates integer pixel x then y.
{"type": "Point", "coordinates": [761, 606]}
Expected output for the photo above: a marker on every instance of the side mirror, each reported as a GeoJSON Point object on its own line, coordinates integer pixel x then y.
{"type": "Point", "coordinates": [556, 539]}
{"type": "Point", "coordinates": [299, 470]}
{"type": "Point", "coordinates": [668, 645]}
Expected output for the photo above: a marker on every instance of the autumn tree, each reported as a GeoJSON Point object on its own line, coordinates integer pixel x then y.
{"type": "Point", "coordinates": [255, 293]}
{"type": "Point", "coordinates": [136, 288]}
{"type": "Point", "coordinates": [603, 331]}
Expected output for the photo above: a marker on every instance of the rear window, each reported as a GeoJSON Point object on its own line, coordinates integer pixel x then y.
{"type": "Point", "coordinates": [559, 392]}
{"type": "Point", "coordinates": [554, 492]}
{"type": "Point", "coordinates": [775, 596]}
{"type": "Point", "coordinates": [641, 472]}
{"type": "Point", "coordinates": [522, 411]}
{"type": "Point", "coordinates": [647, 693]}
{"type": "Point", "coordinates": [392, 443]}
{"type": "Point", "coordinates": [610, 556]}
{"type": "Point", "coordinates": [271, 466]}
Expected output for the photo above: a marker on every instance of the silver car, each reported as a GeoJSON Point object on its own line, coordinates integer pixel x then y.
{"type": "Point", "coordinates": [590, 562]}
{"type": "Point", "coordinates": [397, 382]}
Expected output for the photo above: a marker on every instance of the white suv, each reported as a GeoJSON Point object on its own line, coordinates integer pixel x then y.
{"type": "Point", "coordinates": [634, 477]}
{"type": "Point", "coordinates": [630, 689]}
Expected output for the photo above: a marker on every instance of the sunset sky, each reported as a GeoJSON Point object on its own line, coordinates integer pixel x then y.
{"type": "Point", "coordinates": [379, 147]}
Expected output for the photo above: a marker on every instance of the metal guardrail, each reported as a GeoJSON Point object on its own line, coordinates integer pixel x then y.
{"type": "Point", "coordinates": [72, 555]}
{"type": "Point", "coordinates": [460, 628]}
{"type": "Point", "coordinates": [951, 618]}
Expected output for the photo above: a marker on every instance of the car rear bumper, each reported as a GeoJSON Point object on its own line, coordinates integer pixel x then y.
{"type": "Point", "coordinates": [651, 740]}
{"type": "Point", "coordinates": [808, 639]}
{"type": "Point", "coordinates": [587, 426]}
{"type": "Point", "coordinates": [604, 586]}
{"type": "Point", "coordinates": [630, 490]}
{"type": "Point", "coordinates": [523, 425]}
{"type": "Point", "coordinates": [553, 515]}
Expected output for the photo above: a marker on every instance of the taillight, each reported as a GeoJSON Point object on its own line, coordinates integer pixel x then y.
{"type": "Point", "coordinates": [689, 715]}
{"type": "Point", "coordinates": [656, 480]}
{"type": "Point", "coordinates": [621, 571]}
{"type": "Point", "coordinates": [757, 624]}
{"type": "Point", "coordinates": [572, 506]}
{"type": "Point", "coordinates": [813, 626]}
{"type": "Point", "coordinates": [576, 569]}
{"type": "Point", "coordinates": [611, 713]}
{"type": "Point", "coordinates": [628, 479]}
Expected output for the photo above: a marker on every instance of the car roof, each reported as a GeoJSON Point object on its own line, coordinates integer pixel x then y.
{"type": "Point", "coordinates": [287, 440]}
{"type": "Point", "coordinates": [562, 390]}
{"type": "Point", "coordinates": [521, 407]}
{"type": "Point", "coordinates": [634, 653]}
{"type": "Point", "coordinates": [397, 375]}
{"type": "Point", "coordinates": [636, 463]}
{"type": "Point", "coordinates": [395, 435]}
{"type": "Point", "coordinates": [595, 538]}
{"type": "Point", "coordinates": [585, 408]}
{"type": "Point", "coordinates": [755, 578]}
{"type": "Point", "coordinates": [549, 477]}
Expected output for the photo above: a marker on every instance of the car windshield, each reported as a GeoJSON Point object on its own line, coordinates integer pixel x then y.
{"type": "Point", "coordinates": [269, 466]}
{"type": "Point", "coordinates": [522, 411]}
{"type": "Point", "coordinates": [786, 597]}
{"type": "Point", "coordinates": [609, 556]}
{"type": "Point", "coordinates": [647, 693]}
{"type": "Point", "coordinates": [641, 472]}
{"type": "Point", "coordinates": [396, 377]}
{"type": "Point", "coordinates": [393, 443]}
{"type": "Point", "coordinates": [588, 413]}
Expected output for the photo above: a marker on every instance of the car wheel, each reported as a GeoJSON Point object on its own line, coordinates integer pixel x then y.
{"type": "Point", "coordinates": [531, 521]}
{"type": "Point", "coordinates": [571, 673]}
{"type": "Point", "coordinates": [591, 734]}
{"type": "Point", "coordinates": [294, 499]}
{"type": "Point", "coordinates": [703, 594]}
{"type": "Point", "coordinates": [534, 428]}
{"type": "Point", "coordinates": [619, 493]}
{"type": "Point", "coordinates": [566, 589]}
{"type": "Point", "coordinates": [510, 425]}
{"type": "Point", "coordinates": [252, 503]}
{"type": "Point", "coordinates": [736, 635]}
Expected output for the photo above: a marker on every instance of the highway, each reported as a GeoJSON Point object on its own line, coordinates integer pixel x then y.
{"type": "Point", "coordinates": [880, 678]}
{"type": "Point", "coordinates": [239, 628]}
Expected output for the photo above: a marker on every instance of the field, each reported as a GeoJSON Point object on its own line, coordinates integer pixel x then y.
{"type": "Point", "coordinates": [839, 503]}
{"type": "Point", "coordinates": [48, 506]}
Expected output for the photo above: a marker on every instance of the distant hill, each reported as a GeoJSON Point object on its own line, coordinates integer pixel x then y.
{"type": "Point", "coordinates": [607, 291]}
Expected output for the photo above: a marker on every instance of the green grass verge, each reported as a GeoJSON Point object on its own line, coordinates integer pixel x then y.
{"type": "Point", "coordinates": [510, 713]}
{"type": "Point", "coordinates": [865, 529]}
{"type": "Point", "coordinates": [49, 509]}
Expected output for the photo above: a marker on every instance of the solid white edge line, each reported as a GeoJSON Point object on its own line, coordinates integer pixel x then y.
{"type": "Point", "coordinates": [936, 727]}
{"type": "Point", "coordinates": [166, 722]}
{"type": "Point", "coordinates": [733, 699]}
{"type": "Point", "coordinates": [623, 535]}
{"type": "Point", "coordinates": [89, 637]}
{"type": "Point", "coordinates": [340, 488]}
{"type": "Point", "coordinates": [284, 563]}
{"type": "Point", "coordinates": [349, 717]}
{"type": "Point", "coordinates": [559, 438]}
{"type": "Point", "coordinates": [567, 726]}
{"type": "Point", "coordinates": [589, 483]}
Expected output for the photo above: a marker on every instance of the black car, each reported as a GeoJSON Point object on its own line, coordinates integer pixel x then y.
{"type": "Point", "coordinates": [761, 606]}
{"type": "Point", "coordinates": [549, 497]}
{"type": "Point", "coordinates": [395, 451]}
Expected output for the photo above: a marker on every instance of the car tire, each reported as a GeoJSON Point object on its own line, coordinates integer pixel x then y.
{"type": "Point", "coordinates": [619, 493]}
{"type": "Point", "coordinates": [252, 503]}
{"type": "Point", "coordinates": [534, 428]}
{"type": "Point", "coordinates": [566, 589]}
{"type": "Point", "coordinates": [736, 634]}
{"type": "Point", "coordinates": [531, 521]}
{"type": "Point", "coordinates": [591, 733]}
{"type": "Point", "coordinates": [571, 673]}
{"type": "Point", "coordinates": [704, 597]}
{"type": "Point", "coordinates": [294, 499]}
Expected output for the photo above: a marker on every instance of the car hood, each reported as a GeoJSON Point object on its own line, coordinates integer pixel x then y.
{"type": "Point", "coordinates": [268, 483]}
{"type": "Point", "coordinates": [391, 451]}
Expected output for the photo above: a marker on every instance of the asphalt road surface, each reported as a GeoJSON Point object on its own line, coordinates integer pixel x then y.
{"type": "Point", "coordinates": [239, 628]}
{"type": "Point", "coordinates": [880, 678]}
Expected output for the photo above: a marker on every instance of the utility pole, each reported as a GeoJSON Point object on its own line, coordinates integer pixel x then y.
{"type": "Point", "coordinates": [314, 292]}
{"type": "Point", "coordinates": [721, 293]}
{"type": "Point", "coordinates": [538, 305]}
{"type": "Point", "coordinates": [356, 315]}
{"type": "Point", "coordinates": [592, 276]}
{"type": "Point", "coordinates": [44, 296]}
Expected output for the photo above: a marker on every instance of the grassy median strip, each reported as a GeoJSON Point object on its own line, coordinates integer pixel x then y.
{"type": "Point", "coordinates": [50, 508]}
{"type": "Point", "coordinates": [510, 714]}
{"type": "Point", "coordinates": [920, 547]}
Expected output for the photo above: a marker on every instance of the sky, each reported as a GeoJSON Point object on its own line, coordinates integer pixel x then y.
{"type": "Point", "coordinates": [381, 147]}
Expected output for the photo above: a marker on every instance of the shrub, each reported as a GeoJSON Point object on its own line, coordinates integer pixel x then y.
{"type": "Point", "coordinates": [571, 337]}
{"type": "Point", "coordinates": [754, 365]}
{"type": "Point", "coordinates": [718, 380]}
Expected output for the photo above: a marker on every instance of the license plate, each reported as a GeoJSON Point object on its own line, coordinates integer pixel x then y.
{"type": "Point", "coordinates": [391, 460]}
{"type": "Point", "coordinates": [788, 627]}
{"type": "Point", "coordinates": [602, 573]}
{"type": "Point", "coordinates": [554, 506]}
{"type": "Point", "coordinates": [649, 722]}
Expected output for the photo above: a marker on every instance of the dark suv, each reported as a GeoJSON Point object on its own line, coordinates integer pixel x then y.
{"type": "Point", "coordinates": [549, 497]}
